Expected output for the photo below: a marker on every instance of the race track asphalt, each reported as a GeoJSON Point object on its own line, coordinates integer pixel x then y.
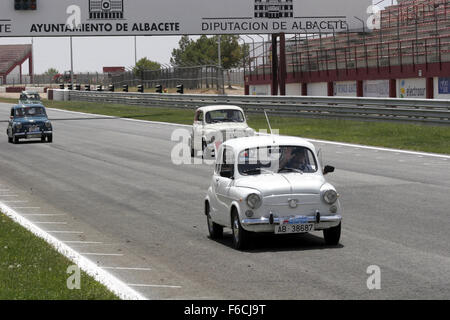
{"type": "Point", "coordinates": [108, 188]}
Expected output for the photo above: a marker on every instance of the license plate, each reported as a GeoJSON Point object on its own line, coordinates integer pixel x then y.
{"type": "Point", "coordinates": [294, 228]}
{"type": "Point", "coordinates": [33, 136]}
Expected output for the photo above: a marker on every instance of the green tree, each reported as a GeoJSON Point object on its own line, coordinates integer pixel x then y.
{"type": "Point", "coordinates": [51, 72]}
{"type": "Point", "coordinates": [145, 64]}
{"type": "Point", "coordinates": [204, 50]}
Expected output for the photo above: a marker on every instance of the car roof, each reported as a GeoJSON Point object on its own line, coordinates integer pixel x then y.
{"type": "Point", "coordinates": [219, 107]}
{"type": "Point", "coordinates": [240, 144]}
{"type": "Point", "coordinates": [30, 92]}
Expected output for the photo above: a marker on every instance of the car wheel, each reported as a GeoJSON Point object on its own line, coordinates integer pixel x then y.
{"type": "Point", "coordinates": [332, 235]}
{"type": "Point", "coordinates": [10, 140]}
{"type": "Point", "coordinates": [50, 138]}
{"type": "Point", "coordinates": [215, 230]}
{"type": "Point", "coordinates": [43, 139]}
{"type": "Point", "coordinates": [240, 236]}
{"type": "Point", "coordinates": [15, 140]}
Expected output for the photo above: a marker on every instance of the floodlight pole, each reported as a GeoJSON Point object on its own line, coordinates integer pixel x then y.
{"type": "Point", "coordinates": [135, 50]}
{"type": "Point", "coordinates": [219, 51]}
{"type": "Point", "coordinates": [71, 62]}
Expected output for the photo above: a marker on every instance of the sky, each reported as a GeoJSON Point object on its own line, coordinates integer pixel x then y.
{"type": "Point", "coordinates": [91, 54]}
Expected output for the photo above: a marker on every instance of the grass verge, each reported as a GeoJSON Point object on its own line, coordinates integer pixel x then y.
{"type": "Point", "coordinates": [30, 269]}
{"type": "Point", "coordinates": [416, 137]}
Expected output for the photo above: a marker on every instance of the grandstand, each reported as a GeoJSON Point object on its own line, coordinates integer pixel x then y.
{"type": "Point", "coordinates": [408, 56]}
{"type": "Point", "coordinates": [11, 59]}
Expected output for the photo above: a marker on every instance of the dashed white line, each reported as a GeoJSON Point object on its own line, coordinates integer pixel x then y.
{"type": "Point", "coordinates": [114, 284]}
{"type": "Point", "coordinates": [42, 214]}
{"type": "Point", "coordinates": [58, 231]}
{"type": "Point", "coordinates": [15, 201]}
{"type": "Point", "coordinates": [153, 285]}
{"type": "Point", "coordinates": [39, 222]}
{"type": "Point", "coordinates": [101, 254]}
{"type": "Point", "coordinates": [83, 242]}
{"type": "Point", "coordinates": [127, 268]}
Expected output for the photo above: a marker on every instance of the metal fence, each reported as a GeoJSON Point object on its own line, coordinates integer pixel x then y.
{"type": "Point", "coordinates": [375, 109]}
{"type": "Point", "coordinates": [192, 77]}
{"type": "Point", "coordinates": [196, 77]}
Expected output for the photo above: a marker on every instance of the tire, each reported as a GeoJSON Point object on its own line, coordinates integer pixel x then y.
{"type": "Point", "coordinates": [10, 140]}
{"type": "Point", "coordinates": [332, 235]}
{"type": "Point", "coordinates": [240, 236]}
{"type": "Point", "coordinates": [50, 138]}
{"type": "Point", "coordinates": [43, 139]}
{"type": "Point", "coordinates": [15, 140]}
{"type": "Point", "coordinates": [215, 230]}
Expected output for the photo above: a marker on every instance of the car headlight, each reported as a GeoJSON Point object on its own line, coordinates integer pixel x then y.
{"type": "Point", "coordinates": [330, 196]}
{"type": "Point", "coordinates": [249, 132]}
{"type": "Point", "coordinates": [18, 125]}
{"type": "Point", "coordinates": [254, 201]}
{"type": "Point", "coordinates": [48, 124]}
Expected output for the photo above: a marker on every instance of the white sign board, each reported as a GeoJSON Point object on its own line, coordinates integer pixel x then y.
{"type": "Point", "coordinates": [179, 17]}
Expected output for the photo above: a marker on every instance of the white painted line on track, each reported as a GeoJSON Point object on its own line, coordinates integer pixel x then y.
{"type": "Point", "coordinates": [58, 231]}
{"type": "Point", "coordinates": [42, 214]}
{"type": "Point", "coordinates": [118, 287]}
{"type": "Point", "coordinates": [83, 242]}
{"type": "Point", "coordinates": [127, 268]}
{"type": "Point", "coordinates": [153, 285]}
{"type": "Point", "coordinates": [25, 207]}
{"type": "Point", "coordinates": [339, 144]}
{"type": "Point", "coordinates": [39, 222]}
{"type": "Point", "coordinates": [101, 254]}
{"type": "Point", "coordinates": [16, 201]}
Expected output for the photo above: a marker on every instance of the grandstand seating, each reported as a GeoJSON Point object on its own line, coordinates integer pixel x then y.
{"type": "Point", "coordinates": [12, 56]}
{"type": "Point", "coordinates": [413, 32]}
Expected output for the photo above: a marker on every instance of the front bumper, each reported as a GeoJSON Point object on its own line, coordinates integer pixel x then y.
{"type": "Point", "coordinates": [263, 224]}
{"type": "Point", "coordinates": [32, 135]}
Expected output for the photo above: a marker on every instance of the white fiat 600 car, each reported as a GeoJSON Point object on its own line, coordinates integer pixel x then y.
{"type": "Point", "coordinates": [271, 184]}
{"type": "Point", "coordinates": [215, 124]}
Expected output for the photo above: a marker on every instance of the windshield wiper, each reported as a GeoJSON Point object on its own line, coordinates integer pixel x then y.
{"type": "Point", "coordinates": [290, 169]}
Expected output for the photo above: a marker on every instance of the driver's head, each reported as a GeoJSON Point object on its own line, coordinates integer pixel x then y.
{"type": "Point", "coordinates": [298, 156]}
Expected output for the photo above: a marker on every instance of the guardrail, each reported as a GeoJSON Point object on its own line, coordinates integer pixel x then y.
{"type": "Point", "coordinates": [375, 109]}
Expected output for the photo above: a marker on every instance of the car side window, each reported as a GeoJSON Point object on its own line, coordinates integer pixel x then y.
{"type": "Point", "coordinates": [198, 116]}
{"type": "Point", "coordinates": [227, 167]}
{"type": "Point", "coordinates": [12, 112]}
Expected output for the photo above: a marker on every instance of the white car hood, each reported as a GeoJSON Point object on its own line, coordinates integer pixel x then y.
{"type": "Point", "coordinates": [226, 126]}
{"type": "Point", "coordinates": [285, 183]}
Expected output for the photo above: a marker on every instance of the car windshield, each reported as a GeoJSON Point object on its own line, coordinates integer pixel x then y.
{"type": "Point", "coordinates": [30, 96]}
{"type": "Point", "coordinates": [280, 159]}
{"type": "Point", "coordinates": [225, 115]}
{"type": "Point", "coordinates": [29, 112]}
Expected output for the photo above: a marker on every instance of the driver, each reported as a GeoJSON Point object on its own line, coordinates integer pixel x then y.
{"type": "Point", "coordinates": [295, 158]}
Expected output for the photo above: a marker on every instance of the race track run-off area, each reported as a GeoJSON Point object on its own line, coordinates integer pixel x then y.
{"type": "Point", "coordinates": [107, 188]}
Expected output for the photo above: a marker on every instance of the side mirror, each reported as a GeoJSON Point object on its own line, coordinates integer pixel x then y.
{"type": "Point", "coordinates": [328, 169]}
{"type": "Point", "coordinates": [11, 118]}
